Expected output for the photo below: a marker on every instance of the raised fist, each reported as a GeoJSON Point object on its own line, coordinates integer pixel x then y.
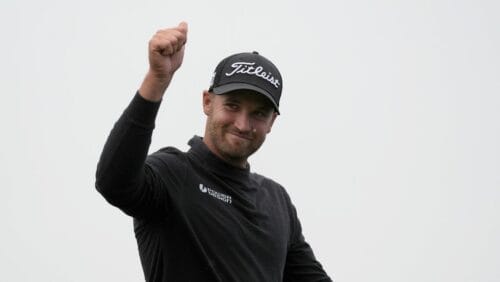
{"type": "Point", "coordinates": [166, 51]}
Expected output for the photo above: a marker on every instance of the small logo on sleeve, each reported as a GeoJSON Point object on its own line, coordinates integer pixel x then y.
{"type": "Point", "coordinates": [218, 195]}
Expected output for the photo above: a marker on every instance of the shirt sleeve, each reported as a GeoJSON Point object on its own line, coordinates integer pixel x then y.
{"type": "Point", "coordinates": [301, 264]}
{"type": "Point", "coordinates": [122, 176]}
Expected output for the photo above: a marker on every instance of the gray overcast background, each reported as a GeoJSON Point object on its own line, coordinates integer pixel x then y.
{"type": "Point", "coordinates": [388, 142]}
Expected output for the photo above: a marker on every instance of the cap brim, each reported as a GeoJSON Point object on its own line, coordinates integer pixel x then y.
{"type": "Point", "coordinates": [239, 86]}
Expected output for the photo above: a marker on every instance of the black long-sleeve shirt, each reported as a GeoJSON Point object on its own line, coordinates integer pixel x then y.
{"type": "Point", "coordinates": [197, 218]}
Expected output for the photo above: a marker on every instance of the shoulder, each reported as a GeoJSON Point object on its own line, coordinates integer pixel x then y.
{"type": "Point", "coordinates": [167, 153]}
{"type": "Point", "coordinates": [169, 150]}
{"type": "Point", "coordinates": [170, 164]}
{"type": "Point", "coordinates": [274, 196]}
{"type": "Point", "coordinates": [262, 180]}
{"type": "Point", "coordinates": [270, 186]}
{"type": "Point", "coordinates": [170, 157]}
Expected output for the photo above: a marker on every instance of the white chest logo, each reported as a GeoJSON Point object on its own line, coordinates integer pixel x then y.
{"type": "Point", "coordinates": [218, 195]}
{"type": "Point", "coordinates": [203, 188]}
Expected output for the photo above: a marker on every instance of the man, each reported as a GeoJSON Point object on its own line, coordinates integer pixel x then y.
{"type": "Point", "coordinates": [202, 215]}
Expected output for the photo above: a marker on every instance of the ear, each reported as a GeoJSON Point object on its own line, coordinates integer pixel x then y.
{"type": "Point", "coordinates": [207, 102]}
{"type": "Point", "coordinates": [271, 122]}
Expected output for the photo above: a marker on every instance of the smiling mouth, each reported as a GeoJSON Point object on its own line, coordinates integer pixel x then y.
{"type": "Point", "coordinates": [242, 136]}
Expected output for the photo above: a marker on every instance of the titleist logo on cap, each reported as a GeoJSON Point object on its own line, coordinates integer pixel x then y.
{"type": "Point", "coordinates": [248, 68]}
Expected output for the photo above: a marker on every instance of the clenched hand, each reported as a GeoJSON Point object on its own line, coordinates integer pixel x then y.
{"type": "Point", "coordinates": [166, 52]}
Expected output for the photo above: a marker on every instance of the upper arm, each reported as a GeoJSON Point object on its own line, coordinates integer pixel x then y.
{"type": "Point", "coordinates": [301, 264]}
{"type": "Point", "coordinates": [149, 193]}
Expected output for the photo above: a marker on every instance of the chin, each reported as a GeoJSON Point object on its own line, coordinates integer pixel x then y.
{"type": "Point", "coordinates": [230, 146]}
{"type": "Point", "coordinates": [235, 150]}
{"type": "Point", "coordinates": [236, 153]}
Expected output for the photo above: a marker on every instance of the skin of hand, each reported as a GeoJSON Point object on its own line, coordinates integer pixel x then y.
{"type": "Point", "coordinates": [166, 53]}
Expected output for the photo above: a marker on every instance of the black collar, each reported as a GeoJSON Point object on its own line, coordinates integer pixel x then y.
{"type": "Point", "coordinates": [213, 162]}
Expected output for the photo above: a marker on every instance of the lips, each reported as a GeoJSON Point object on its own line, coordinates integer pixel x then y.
{"type": "Point", "coordinates": [242, 136]}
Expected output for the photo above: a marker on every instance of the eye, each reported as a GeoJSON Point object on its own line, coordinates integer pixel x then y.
{"type": "Point", "coordinates": [262, 114]}
{"type": "Point", "coordinates": [232, 106]}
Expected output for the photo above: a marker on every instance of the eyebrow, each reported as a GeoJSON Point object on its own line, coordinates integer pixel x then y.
{"type": "Point", "coordinates": [262, 103]}
{"type": "Point", "coordinates": [232, 99]}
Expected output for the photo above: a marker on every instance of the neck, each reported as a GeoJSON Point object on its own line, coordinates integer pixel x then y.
{"type": "Point", "coordinates": [234, 162]}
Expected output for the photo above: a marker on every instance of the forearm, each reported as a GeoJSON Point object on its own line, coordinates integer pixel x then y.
{"type": "Point", "coordinates": [121, 165]}
{"type": "Point", "coordinates": [153, 87]}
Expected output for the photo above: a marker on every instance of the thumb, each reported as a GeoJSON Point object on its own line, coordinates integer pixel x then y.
{"type": "Point", "coordinates": [183, 27]}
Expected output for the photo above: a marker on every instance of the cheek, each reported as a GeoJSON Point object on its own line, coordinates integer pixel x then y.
{"type": "Point", "coordinates": [261, 133]}
{"type": "Point", "coordinates": [263, 127]}
{"type": "Point", "coordinates": [223, 118]}
{"type": "Point", "coordinates": [218, 121]}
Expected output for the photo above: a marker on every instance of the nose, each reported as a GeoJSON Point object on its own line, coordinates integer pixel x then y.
{"type": "Point", "coordinates": [243, 123]}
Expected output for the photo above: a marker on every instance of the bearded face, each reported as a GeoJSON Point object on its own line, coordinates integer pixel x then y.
{"type": "Point", "coordinates": [237, 124]}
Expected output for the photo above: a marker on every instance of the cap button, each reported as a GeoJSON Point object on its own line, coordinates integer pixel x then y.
{"type": "Point", "coordinates": [255, 52]}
